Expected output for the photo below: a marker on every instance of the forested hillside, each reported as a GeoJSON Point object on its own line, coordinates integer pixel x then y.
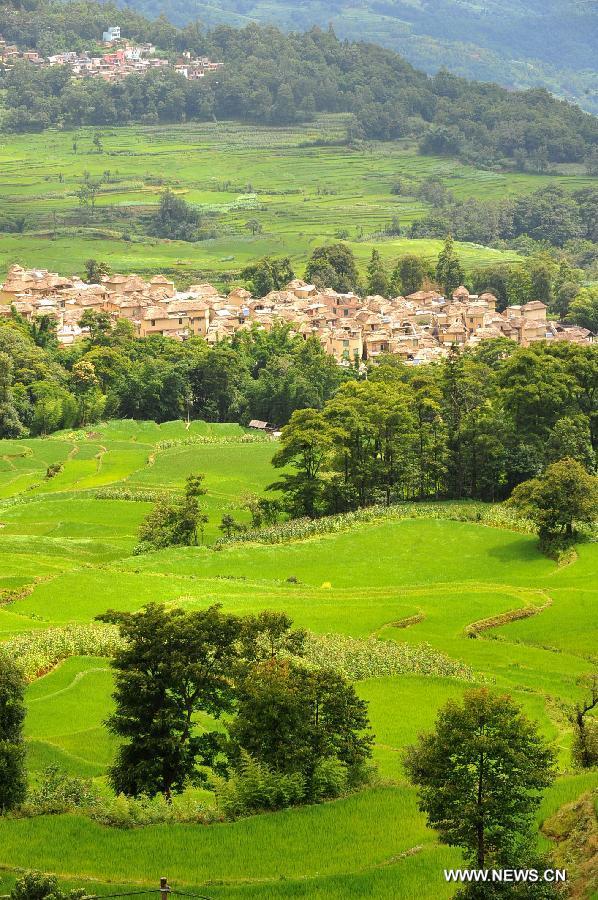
{"type": "Point", "coordinates": [518, 44]}
{"type": "Point", "coordinates": [272, 78]}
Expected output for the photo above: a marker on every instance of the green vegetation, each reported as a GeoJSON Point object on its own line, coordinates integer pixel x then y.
{"type": "Point", "coordinates": [480, 774]}
{"type": "Point", "coordinates": [474, 426]}
{"type": "Point", "coordinates": [414, 585]}
{"type": "Point", "coordinates": [520, 45]}
{"type": "Point", "coordinates": [13, 777]}
{"type": "Point", "coordinates": [302, 196]}
{"type": "Point", "coordinates": [385, 96]}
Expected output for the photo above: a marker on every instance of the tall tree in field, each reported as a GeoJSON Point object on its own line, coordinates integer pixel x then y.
{"type": "Point", "coordinates": [480, 774]}
{"type": "Point", "coordinates": [173, 522]}
{"type": "Point", "coordinates": [10, 424]}
{"type": "Point", "coordinates": [304, 444]}
{"type": "Point", "coordinates": [174, 665]}
{"type": "Point", "coordinates": [13, 777]}
{"type": "Point", "coordinates": [408, 275]}
{"type": "Point", "coordinates": [377, 277]}
{"type": "Point", "coordinates": [292, 719]}
{"type": "Point", "coordinates": [449, 272]}
{"type": "Point", "coordinates": [564, 494]}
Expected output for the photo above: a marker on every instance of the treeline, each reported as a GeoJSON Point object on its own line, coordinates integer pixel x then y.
{"type": "Point", "coordinates": [272, 78]}
{"type": "Point", "coordinates": [551, 214]}
{"type": "Point", "coordinates": [260, 375]}
{"type": "Point", "coordinates": [473, 426]}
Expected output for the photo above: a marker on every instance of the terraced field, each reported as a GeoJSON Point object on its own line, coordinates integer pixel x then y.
{"type": "Point", "coordinates": [65, 556]}
{"type": "Point", "coordinates": [302, 194]}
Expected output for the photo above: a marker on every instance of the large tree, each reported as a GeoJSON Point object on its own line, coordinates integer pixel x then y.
{"type": "Point", "coordinates": [449, 272]}
{"type": "Point", "coordinates": [333, 266]}
{"type": "Point", "coordinates": [292, 718]}
{"type": "Point", "coordinates": [174, 665]}
{"type": "Point", "coordinates": [408, 275]}
{"type": "Point", "coordinates": [13, 777]}
{"type": "Point", "coordinates": [564, 494]}
{"type": "Point", "coordinates": [480, 774]}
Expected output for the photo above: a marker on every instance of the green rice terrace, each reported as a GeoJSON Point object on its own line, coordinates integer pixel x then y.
{"type": "Point", "coordinates": [397, 597]}
{"type": "Point", "coordinates": [300, 185]}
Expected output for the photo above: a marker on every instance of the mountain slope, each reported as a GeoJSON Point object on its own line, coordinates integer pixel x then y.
{"type": "Point", "coordinates": [518, 43]}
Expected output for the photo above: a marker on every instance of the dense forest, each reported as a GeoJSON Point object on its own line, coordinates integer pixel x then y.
{"type": "Point", "coordinates": [272, 78]}
{"type": "Point", "coordinates": [523, 44]}
{"type": "Point", "coordinates": [474, 425]}
{"type": "Point", "coordinates": [550, 214]}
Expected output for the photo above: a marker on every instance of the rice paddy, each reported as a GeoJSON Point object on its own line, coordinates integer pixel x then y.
{"type": "Point", "coordinates": [65, 556]}
{"type": "Point", "coordinates": [301, 191]}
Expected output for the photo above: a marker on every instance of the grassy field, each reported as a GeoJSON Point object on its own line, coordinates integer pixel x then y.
{"type": "Point", "coordinates": [66, 556]}
{"type": "Point", "coordinates": [301, 194]}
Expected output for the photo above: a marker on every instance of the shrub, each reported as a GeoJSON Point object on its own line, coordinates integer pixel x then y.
{"type": "Point", "coordinates": [54, 469]}
{"type": "Point", "coordinates": [255, 788]}
{"type": "Point", "coordinates": [59, 792]}
{"type": "Point", "coordinates": [38, 886]}
{"type": "Point", "coordinates": [330, 779]}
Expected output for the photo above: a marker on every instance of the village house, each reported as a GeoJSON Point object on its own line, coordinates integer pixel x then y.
{"type": "Point", "coordinates": [418, 328]}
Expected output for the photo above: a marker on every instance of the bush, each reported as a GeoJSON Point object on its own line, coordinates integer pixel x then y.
{"type": "Point", "coordinates": [330, 779]}
{"type": "Point", "coordinates": [59, 792]}
{"type": "Point", "coordinates": [54, 469]}
{"type": "Point", "coordinates": [255, 788]}
{"type": "Point", "coordinates": [38, 886]}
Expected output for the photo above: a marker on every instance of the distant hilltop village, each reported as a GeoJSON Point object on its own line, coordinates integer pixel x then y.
{"type": "Point", "coordinates": [120, 59]}
{"type": "Point", "coordinates": [419, 328]}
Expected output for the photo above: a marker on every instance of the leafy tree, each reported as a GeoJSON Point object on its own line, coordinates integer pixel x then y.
{"type": "Point", "coordinates": [408, 275]}
{"type": "Point", "coordinates": [480, 774]}
{"type": "Point", "coordinates": [378, 282]}
{"type": "Point", "coordinates": [448, 268]}
{"type": "Point", "coordinates": [292, 719]}
{"type": "Point", "coordinates": [175, 522]}
{"type": "Point", "coordinates": [585, 743]}
{"type": "Point", "coordinates": [583, 309]}
{"type": "Point", "coordinates": [10, 424]}
{"type": "Point", "coordinates": [228, 526]}
{"type": "Point", "coordinates": [304, 444]}
{"type": "Point", "coordinates": [333, 266]}
{"type": "Point", "coordinates": [216, 380]}
{"type": "Point", "coordinates": [175, 219]}
{"type": "Point", "coordinates": [175, 664]}
{"type": "Point", "coordinates": [541, 282]}
{"type": "Point", "coordinates": [564, 494]}
{"type": "Point", "coordinates": [99, 324]}
{"type": "Point", "coordinates": [254, 226]}
{"type": "Point", "coordinates": [571, 438]}
{"type": "Point", "coordinates": [94, 269]}
{"type": "Point", "coordinates": [13, 777]}
{"type": "Point", "coordinates": [267, 275]}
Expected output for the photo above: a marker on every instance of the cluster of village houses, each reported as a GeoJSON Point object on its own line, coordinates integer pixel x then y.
{"type": "Point", "coordinates": [420, 328]}
{"type": "Point", "coordinates": [120, 60]}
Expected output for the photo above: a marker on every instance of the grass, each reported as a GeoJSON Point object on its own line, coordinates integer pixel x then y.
{"type": "Point", "coordinates": [66, 556]}
{"type": "Point", "coordinates": [302, 195]}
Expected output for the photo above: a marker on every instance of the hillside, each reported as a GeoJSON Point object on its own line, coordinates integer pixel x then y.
{"type": "Point", "coordinates": [525, 44]}
{"type": "Point", "coordinates": [276, 79]}
{"type": "Point", "coordinates": [65, 557]}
